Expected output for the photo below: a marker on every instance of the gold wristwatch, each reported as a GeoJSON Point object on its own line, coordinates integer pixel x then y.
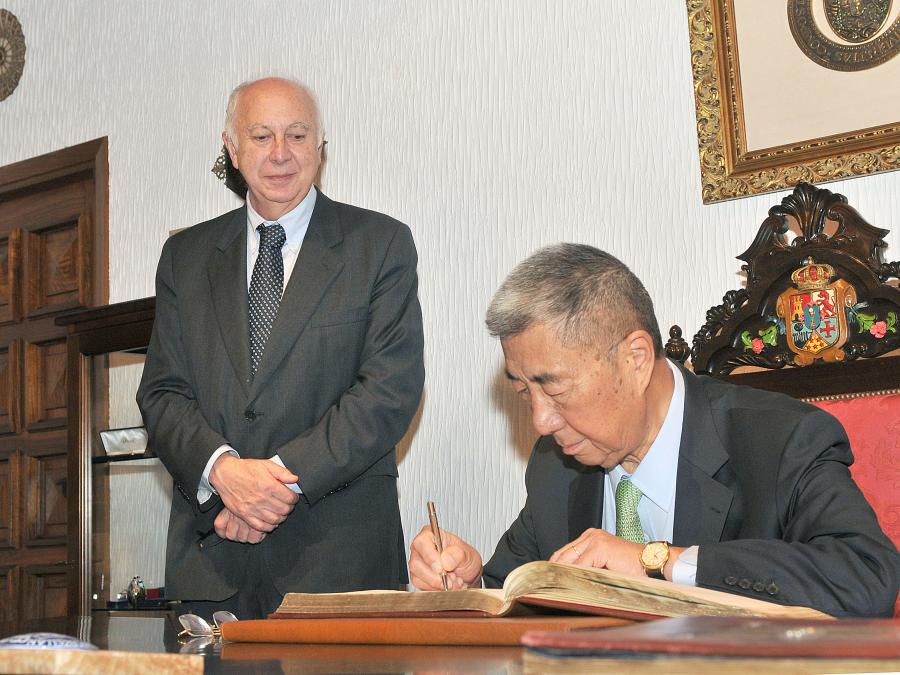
{"type": "Point", "coordinates": [654, 558]}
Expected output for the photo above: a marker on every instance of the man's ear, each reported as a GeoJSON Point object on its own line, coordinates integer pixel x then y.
{"type": "Point", "coordinates": [232, 151]}
{"type": "Point", "coordinates": [640, 354]}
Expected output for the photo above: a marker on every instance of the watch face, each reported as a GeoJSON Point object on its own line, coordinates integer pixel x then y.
{"type": "Point", "coordinates": [655, 555]}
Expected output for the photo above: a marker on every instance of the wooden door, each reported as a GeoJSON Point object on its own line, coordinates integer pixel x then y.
{"type": "Point", "coordinates": [53, 257]}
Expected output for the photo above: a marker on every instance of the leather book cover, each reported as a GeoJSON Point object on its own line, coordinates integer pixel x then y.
{"type": "Point", "coordinates": [407, 631]}
{"type": "Point", "coordinates": [730, 636]}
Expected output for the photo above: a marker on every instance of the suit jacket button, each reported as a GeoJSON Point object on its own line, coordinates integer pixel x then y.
{"type": "Point", "coordinates": [249, 415]}
{"type": "Point", "coordinates": [744, 583]}
{"type": "Point", "coordinates": [731, 581]}
{"type": "Point", "coordinates": [759, 587]}
{"type": "Point", "coordinates": [772, 589]}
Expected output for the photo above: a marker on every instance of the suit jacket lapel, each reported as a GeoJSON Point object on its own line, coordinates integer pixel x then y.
{"type": "Point", "coordinates": [586, 501]}
{"type": "Point", "coordinates": [227, 275]}
{"type": "Point", "coordinates": [316, 268]}
{"type": "Point", "coordinates": [701, 503]}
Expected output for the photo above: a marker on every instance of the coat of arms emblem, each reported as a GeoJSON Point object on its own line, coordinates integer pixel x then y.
{"type": "Point", "coordinates": [814, 311]}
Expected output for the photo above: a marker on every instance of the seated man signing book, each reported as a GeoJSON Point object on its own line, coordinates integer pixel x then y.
{"type": "Point", "coordinates": [646, 469]}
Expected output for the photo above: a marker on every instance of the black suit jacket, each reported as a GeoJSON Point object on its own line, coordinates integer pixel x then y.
{"type": "Point", "coordinates": [764, 489]}
{"type": "Point", "coordinates": [338, 383]}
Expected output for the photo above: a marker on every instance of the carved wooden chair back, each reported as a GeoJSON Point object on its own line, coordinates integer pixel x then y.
{"type": "Point", "coordinates": [818, 319]}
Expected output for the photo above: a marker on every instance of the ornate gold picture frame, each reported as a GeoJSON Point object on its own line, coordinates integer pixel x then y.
{"type": "Point", "coordinates": [728, 168]}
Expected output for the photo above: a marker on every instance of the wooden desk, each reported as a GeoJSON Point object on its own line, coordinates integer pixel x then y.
{"type": "Point", "coordinates": [156, 632]}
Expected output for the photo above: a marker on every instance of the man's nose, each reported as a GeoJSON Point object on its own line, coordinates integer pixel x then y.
{"type": "Point", "coordinates": [544, 417]}
{"type": "Point", "coordinates": [279, 150]}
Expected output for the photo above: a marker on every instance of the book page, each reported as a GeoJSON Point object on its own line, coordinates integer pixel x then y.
{"type": "Point", "coordinates": [595, 587]}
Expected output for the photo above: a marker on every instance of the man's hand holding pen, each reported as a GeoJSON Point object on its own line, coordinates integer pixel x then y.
{"type": "Point", "coordinates": [460, 561]}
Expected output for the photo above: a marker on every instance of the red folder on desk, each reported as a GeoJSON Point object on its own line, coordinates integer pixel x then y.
{"type": "Point", "coordinates": [730, 636]}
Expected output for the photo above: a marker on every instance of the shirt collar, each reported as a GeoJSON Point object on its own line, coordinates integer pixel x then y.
{"type": "Point", "coordinates": [295, 222]}
{"type": "Point", "coordinates": [653, 477]}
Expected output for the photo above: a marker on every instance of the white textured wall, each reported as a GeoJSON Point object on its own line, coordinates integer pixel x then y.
{"type": "Point", "coordinates": [490, 126]}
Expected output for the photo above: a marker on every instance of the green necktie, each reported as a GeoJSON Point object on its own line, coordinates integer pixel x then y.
{"type": "Point", "coordinates": [628, 524]}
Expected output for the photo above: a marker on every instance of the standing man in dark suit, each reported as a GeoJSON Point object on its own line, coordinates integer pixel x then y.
{"type": "Point", "coordinates": [646, 469]}
{"type": "Point", "coordinates": [285, 364]}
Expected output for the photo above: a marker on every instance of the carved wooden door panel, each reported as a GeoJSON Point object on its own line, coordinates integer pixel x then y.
{"type": "Point", "coordinates": [52, 258]}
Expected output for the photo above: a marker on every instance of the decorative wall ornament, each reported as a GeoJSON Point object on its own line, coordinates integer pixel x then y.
{"type": "Point", "coordinates": [855, 21]}
{"type": "Point", "coordinates": [12, 53]}
{"type": "Point", "coordinates": [728, 168]}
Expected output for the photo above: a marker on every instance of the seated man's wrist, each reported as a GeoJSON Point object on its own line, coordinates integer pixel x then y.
{"type": "Point", "coordinates": [682, 568]}
{"type": "Point", "coordinates": [669, 568]}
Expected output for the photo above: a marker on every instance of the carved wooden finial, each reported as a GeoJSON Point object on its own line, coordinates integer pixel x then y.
{"type": "Point", "coordinates": [676, 347]}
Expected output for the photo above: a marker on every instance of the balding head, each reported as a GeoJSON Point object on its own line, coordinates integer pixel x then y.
{"type": "Point", "coordinates": [231, 109]}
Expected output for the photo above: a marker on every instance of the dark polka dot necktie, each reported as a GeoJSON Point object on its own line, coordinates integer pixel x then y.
{"type": "Point", "coordinates": [266, 285]}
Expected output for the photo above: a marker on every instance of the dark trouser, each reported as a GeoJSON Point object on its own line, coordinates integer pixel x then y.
{"type": "Point", "coordinates": [256, 597]}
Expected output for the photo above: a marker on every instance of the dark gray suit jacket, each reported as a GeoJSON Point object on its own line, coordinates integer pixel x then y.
{"type": "Point", "coordinates": [763, 487]}
{"type": "Point", "coordinates": [338, 384]}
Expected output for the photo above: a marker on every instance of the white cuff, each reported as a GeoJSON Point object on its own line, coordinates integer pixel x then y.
{"type": "Point", "coordinates": [205, 490]}
{"type": "Point", "coordinates": [292, 486]}
{"type": "Point", "coordinates": [684, 571]}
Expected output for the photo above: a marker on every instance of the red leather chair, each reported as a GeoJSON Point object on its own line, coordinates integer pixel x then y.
{"type": "Point", "coordinates": [819, 319]}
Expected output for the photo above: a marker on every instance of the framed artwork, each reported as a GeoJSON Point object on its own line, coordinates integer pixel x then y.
{"type": "Point", "coordinates": [794, 90]}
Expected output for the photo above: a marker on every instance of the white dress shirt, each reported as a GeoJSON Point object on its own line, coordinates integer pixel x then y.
{"type": "Point", "coordinates": [653, 478]}
{"type": "Point", "coordinates": [295, 223]}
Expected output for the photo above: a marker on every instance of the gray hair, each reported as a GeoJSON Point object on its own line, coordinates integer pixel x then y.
{"type": "Point", "coordinates": [590, 297]}
{"type": "Point", "coordinates": [235, 96]}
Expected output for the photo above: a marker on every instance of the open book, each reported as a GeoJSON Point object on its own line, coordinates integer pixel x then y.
{"type": "Point", "coordinates": [542, 586]}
